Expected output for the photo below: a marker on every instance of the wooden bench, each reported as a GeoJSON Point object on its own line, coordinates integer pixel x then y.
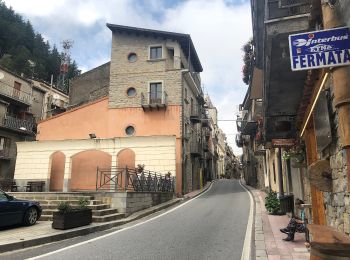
{"type": "Point", "coordinates": [33, 186]}
{"type": "Point", "coordinates": [8, 185]}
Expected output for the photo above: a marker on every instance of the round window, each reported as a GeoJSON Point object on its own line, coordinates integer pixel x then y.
{"type": "Point", "coordinates": [131, 92]}
{"type": "Point", "coordinates": [132, 57]}
{"type": "Point", "coordinates": [130, 130]}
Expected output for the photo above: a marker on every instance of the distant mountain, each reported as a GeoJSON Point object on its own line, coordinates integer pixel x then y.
{"type": "Point", "coordinates": [22, 50]}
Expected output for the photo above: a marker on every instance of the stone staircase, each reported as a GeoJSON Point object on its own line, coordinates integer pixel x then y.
{"type": "Point", "coordinates": [101, 212]}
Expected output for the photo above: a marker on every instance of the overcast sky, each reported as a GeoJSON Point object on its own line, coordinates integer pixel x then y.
{"type": "Point", "coordinates": [218, 29]}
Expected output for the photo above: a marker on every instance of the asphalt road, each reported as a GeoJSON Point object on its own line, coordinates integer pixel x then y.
{"type": "Point", "coordinates": [211, 226]}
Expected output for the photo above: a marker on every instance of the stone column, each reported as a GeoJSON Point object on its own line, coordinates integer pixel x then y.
{"type": "Point", "coordinates": [67, 174]}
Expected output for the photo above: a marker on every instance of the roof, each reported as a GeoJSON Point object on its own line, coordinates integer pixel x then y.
{"type": "Point", "coordinates": [14, 74]}
{"type": "Point", "coordinates": [184, 40]}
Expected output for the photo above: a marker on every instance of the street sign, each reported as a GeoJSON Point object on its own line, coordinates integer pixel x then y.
{"type": "Point", "coordinates": [320, 49]}
{"type": "Point", "coordinates": [283, 143]}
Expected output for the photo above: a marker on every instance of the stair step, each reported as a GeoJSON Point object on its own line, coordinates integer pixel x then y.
{"type": "Point", "coordinates": [93, 207]}
{"type": "Point", "coordinates": [107, 218]}
{"type": "Point", "coordinates": [104, 212]}
{"type": "Point", "coordinates": [97, 219]}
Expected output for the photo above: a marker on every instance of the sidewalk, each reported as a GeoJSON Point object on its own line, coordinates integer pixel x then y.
{"type": "Point", "coordinates": [268, 238]}
{"type": "Point", "coordinates": [14, 238]}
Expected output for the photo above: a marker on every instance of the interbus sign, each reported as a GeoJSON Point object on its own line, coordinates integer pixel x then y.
{"type": "Point", "coordinates": [319, 49]}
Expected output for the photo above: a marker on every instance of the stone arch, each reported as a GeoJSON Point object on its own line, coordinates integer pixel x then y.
{"type": "Point", "coordinates": [126, 158]}
{"type": "Point", "coordinates": [58, 160]}
{"type": "Point", "coordinates": [84, 166]}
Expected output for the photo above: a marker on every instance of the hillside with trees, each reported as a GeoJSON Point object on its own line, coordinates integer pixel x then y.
{"type": "Point", "coordinates": [22, 50]}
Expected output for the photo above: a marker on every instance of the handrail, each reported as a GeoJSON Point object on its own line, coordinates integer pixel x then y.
{"type": "Point", "coordinates": [129, 179]}
{"type": "Point", "coordinates": [19, 95]}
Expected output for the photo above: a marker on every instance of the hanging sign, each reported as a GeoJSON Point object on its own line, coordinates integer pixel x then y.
{"type": "Point", "coordinates": [283, 142]}
{"type": "Point", "coordinates": [320, 49]}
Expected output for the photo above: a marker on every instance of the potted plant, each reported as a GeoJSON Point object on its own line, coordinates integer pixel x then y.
{"type": "Point", "coordinates": [272, 204]}
{"type": "Point", "coordinates": [70, 217]}
{"type": "Point", "coordinates": [297, 156]}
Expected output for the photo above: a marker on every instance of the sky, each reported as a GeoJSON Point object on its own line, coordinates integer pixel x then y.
{"type": "Point", "coordinates": [218, 29]}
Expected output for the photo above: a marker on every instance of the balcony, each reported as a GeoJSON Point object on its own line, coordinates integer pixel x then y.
{"type": "Point", "coordinates": [196, 149]}
{"type": "Point", "coordinates": [285, 8]}
{"type": "Point", "coordinates": [19, 125]}
{"type": "Point", "coordinates": [16, 95]}
{"type": "Point", "coordinates": [154, 101]}
{"type": "Point", "coordinates": [196, 115]}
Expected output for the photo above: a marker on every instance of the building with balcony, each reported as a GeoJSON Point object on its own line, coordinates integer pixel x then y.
{"type": "Point", "coordinates": [151, 87]}
{"type": "Point", "coordinates": [16, 119]}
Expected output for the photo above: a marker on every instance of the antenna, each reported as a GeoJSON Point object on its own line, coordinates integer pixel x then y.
{"type": "Point", "coordinates": [62, 83]}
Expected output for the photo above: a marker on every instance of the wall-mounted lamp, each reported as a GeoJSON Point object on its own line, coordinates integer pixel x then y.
{"type": "Point", "coordinates": [92, 136]}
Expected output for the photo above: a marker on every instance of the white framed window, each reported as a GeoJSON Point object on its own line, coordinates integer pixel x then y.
{"type": "Point", "coordinates": [155, 52]}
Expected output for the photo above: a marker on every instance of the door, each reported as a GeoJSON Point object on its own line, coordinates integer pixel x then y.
{"type": "Point", "coordinates": [156, 93]}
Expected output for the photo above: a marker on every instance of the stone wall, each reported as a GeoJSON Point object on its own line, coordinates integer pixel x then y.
{"type": "Point", "coordinates": [337, 202]}
{"type": "Point", "coordinates": [130, 202]}
{"type": "Point", "coordinates": [90, 85]}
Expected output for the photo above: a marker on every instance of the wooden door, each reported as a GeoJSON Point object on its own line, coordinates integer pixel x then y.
{"type": "Point", "coordinates": [318, 210]}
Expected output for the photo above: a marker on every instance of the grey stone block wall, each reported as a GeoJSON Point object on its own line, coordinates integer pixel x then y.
{"type": "Point", "coordinates": [337, 202]}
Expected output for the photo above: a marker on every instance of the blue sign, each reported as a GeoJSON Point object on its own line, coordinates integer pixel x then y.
{"type": "Point", "coordinates": [319, 49]}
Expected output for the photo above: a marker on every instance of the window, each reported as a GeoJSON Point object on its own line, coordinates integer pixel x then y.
{"type": "Point", "coordinates": [4, 146]}
{"type": "Point", "coordinates": [17, 89]}
{"type": "Point", "coordinates": [132, 57]}
{"type": "Point", "coordinates": [155, 93]}
{"type": "Point", "coordinates": [130, 130]}
{"type": "Point", "coordinates": [131, 92]}
{"type": "Point", "coordinates": [155, 52]}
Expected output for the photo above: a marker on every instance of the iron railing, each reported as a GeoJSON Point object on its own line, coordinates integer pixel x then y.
{"type": "Point", "coordinates": [154, 98]}
{"type": "Point", "coordinates": [279, 9]}
{"type": "Point", "coordinates": [16, 94]}
{"type": "Point", "coordinates": [19, 124]}
{"type": "Point", "coordinates": [128, 179]}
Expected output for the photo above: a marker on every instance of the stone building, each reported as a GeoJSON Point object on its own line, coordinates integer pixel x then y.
{"type": "Point", "coordinates": [305, 126]}
{"type": "Point", "coordinates": [16, 119]}
{"type": "Point", "coordinates": [151, 88]}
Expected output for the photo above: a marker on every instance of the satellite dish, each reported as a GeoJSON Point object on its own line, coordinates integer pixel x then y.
{"type": "Point", "coordinates": [2, 75]}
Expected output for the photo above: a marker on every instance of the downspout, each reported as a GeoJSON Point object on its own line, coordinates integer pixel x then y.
{"type": "Point", "coordinates": [183, 170]}
{"type": "Point", "coordinates": [280, 175]}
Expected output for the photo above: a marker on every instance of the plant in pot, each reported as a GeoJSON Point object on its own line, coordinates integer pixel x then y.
{"type": "Point", "coordinates": [272, 204]}
{"type": "Point", "coordinates": [70, 217]}
{"type": "Point", "coordinates": [296, 154]}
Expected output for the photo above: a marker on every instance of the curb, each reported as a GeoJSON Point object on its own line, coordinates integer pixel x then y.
{"type": "Point", "coordinates": [252, 246]}
{"type": "Point", "coordinates": [81, 231]}
{"type": "Point", "coordinates": [205, 188]}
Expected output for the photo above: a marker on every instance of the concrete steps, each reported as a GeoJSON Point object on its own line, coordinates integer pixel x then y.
{"type": "Point", "coordinates": [101, 212]}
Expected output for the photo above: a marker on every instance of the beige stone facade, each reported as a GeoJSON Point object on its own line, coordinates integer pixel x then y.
{"type": "Point", "coordinates": [34, 158]}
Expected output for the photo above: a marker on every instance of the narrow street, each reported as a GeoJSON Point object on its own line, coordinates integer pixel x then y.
{"type": "Point", "coordinates": [211, 226]}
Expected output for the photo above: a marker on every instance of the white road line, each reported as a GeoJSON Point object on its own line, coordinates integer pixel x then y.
{"type": "Point", "coordinates": [248, 234]}
{"type": "Point", "coordinates": [118, 231]}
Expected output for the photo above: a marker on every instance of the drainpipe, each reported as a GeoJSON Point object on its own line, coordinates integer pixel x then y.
{"type": "Point", "coordinates": [280, 175]}
{"type": "Point", "coordinates": [341, 79]}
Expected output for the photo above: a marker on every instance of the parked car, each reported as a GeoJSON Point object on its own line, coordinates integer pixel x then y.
{"type": "Point", "coordinates": [14, 211]}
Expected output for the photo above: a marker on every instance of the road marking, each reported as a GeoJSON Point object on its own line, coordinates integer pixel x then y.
{"type": "Point", "coordinates": [120, 230]}
{"type": "Point", "coordinates": [248, 234]}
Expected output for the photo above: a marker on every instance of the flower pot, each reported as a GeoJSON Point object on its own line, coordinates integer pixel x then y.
{"type": "Point", "coordinates": [72, 219]}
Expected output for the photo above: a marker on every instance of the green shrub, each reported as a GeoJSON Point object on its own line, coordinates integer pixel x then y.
{"type": "Point", "coordinates": [64, 207]}
{"type": "Point", "coordinates": [272, 203]}
{"type": "Point", "coordinates": [83, 203]}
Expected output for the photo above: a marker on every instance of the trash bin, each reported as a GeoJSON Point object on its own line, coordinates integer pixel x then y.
{"type": "Point", "coordinates": [286, 203]}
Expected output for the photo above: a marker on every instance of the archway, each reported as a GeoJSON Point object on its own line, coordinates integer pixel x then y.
{"type": "Point", "coordinates": [84, 166]}
{"type": "Point", "coordinates": [58, 160]}
{"type": "Point", "coordinates": [126, 158]}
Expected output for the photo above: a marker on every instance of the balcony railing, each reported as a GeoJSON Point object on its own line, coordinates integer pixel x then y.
{"type": "Point", "coordinates": [154, 100]}
{"type": "Point", "coordinates": [285, 8]}
{"type": "Point", "coordinates": [196, 115]}
{"type": "Point", "coordinates": [196, 149]}
{"type": "Point", "coordinates": [18, 95]}
{"type": "Point", "coordinates": [27, 126]}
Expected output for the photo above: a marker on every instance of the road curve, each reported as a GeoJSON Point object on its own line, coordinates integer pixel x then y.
{"type": "Point", "coordinates": [211, 226]}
